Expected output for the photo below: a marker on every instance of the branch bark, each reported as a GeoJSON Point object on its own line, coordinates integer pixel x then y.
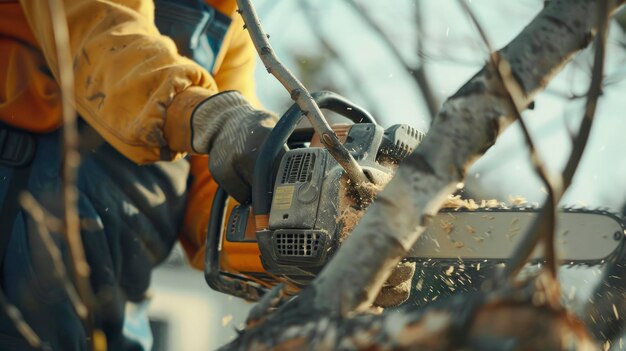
{"type": "Point", "coordinates": [475, 321]}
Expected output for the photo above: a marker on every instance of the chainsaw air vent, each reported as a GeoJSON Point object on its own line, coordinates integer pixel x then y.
{"type": "Point", "coordinates": [299, 168]}
{"type": "Point", "coordinates": [402, 149]}
{"type": "Point", "coordinates": [297, 245]}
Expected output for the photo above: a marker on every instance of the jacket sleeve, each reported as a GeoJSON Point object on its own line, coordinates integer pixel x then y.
{"type": "Point", "coordinates": [236, 72]}
{"type": "Point", "coordinates": [131, 84]}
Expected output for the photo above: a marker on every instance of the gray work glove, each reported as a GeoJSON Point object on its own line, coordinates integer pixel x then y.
{"type": "Point", "coordinates": [397, 288]}
{"type": "Point", "coordinates": [231, 131]}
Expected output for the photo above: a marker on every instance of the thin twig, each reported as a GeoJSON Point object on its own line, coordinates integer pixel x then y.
{"type": "Point", "coordinates": [71, 160]}
{"type": "Point", "coordinates": [18, 320]}
{"type": "Point", "coordinates": [303, 98]}
{"type": "Point", "coordinates": [355, 77]}
{"type": "Point", "coordinates": [513, 91]}
{"type": "Point", "coordinates": [524, 250]}
{"type": "Point", "coordinates": [595, 90]}
{"type": "Point", "coordinates": [579, 143]}
{"type": "Point", "coordinates": [37, 213]}
{"type": "Point", "coordinates": [417, 73]}
{"type": "Point", "coordinates": [420, 73]}
{"type": "Point", "coordinates": [442, 57]}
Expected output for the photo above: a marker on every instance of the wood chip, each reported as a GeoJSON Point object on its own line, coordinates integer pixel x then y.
{"type": "Point", "coordinates": [226, 319]}
{"type": "Point", "coordinates": [470, 229]}
{"type": "Point", "coordinates": [447, 226]}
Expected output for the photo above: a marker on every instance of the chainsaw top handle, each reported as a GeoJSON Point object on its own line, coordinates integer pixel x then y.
{"type": "Point", "coordinates": [271, 150]}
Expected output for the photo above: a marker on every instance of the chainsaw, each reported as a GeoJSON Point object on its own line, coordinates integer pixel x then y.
{"type": "Point", "coordinates": [297, 218]}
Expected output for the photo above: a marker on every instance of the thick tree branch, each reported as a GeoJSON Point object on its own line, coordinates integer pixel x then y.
{"type": "Point", "coordinates": [465, 128]}
{"type": "Point", "coordinates": [438, 327]}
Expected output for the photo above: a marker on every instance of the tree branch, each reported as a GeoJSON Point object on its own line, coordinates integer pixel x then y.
{"type": "Point", "coordinates": [70, 162]}
{"type": "Point", "coordinates": [419, 74]}
{"type": "Point", "coordinates": [37, 213]}
{"type": "Point", "coordinates": [464, 129]}
{"type": "Point", "coordinates": [438, 327]}
{"type": "Point", "coordinates": [545, 220]}
{"type": "Point", "coordinates": [303, 98]}
{"type": "Point", "coordinates": [503, 71]}
{"type": "Point", "coordinates": [599, 312]}
{"type": "Point", "coordinates": [18, 320]}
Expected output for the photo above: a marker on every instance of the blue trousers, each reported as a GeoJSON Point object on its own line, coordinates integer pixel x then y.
{"type": "Point", "coordinates": [129, 214]}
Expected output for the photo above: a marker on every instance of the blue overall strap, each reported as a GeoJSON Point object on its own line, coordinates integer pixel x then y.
{"type": "Point", "coordinates": [17, 149]}
{"type": "Point", "coordinates": [197, 28]}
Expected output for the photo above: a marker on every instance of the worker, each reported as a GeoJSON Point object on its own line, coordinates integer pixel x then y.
{"type": "Point", "coordinates": [167, 110]}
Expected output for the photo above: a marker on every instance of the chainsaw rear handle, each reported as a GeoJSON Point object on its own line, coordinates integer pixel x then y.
{"type": "Point", "coordinates": [262, 181]}
{"type": "Point", "coordinates": [218, 280]}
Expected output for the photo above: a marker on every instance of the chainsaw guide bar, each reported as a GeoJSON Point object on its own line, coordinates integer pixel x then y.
{"type": "Point", "coordinates": [583, 236]}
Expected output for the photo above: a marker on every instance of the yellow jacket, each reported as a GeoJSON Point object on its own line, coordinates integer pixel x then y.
{"type": "Point", "coordinates": [131, 84]}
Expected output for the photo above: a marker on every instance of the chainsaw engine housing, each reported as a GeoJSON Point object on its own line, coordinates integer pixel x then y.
{"type": "Point", "coordinates": [294, 223]}
{"type": "Point", "coordinates": [311, 192]}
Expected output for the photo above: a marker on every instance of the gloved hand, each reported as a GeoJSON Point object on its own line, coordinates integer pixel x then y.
{"type": "Point", "coordinates": [398, 287]}
{"type": "Point", "coordinates": [231, 131]}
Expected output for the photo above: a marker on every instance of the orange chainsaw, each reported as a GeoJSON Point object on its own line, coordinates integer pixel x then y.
{"type": "Point", "coordinates": [291, 228]}
{"type": "Point", "coordinates": [295, 222]}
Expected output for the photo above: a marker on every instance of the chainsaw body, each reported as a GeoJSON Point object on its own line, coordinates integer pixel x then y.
{"type": "Point", "coordinates": [294, 224]}
{"type": "Point", "coordinates": [310, 194]}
